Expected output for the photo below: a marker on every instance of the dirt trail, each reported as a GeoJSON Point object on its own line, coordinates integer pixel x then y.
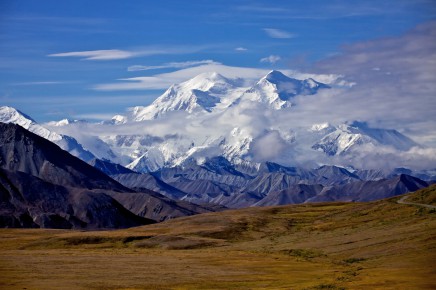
{"type": "Point", "coordinates": [403, 201]}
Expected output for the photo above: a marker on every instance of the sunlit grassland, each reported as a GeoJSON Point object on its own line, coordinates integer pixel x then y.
{"type": "Point", "coordinates": [378, 245]}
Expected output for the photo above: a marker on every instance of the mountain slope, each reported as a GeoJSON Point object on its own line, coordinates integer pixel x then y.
{"type": "Point", "coordinates": [370, 190]}
{"type": "Point", "coordinates": [109, 168]}
{"type": "Point", "coordinates": [28, 201]}
{"type": "Point", "coordinates": [67, 143]}
{"type": "Point", "coordinates": [24, 151]}
{"type": "Point", "coordinates": [150, 182]}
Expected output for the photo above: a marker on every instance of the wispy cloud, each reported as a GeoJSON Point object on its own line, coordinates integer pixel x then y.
{"type": "Point", "coordinates": [115, 54]}
{"type": "Point", "coordinates": [344, 9]}
{"type": "Point", "coordinates": [172, 65]}
{"type": "Point", "coordinates": [278, 33]}
{"type": "Point", "coordinates": [107, 54]}
{"type": "Point", "coordinates": [271, 59]}
{"type": "Point", "coordinates": [263, 9]}
{"type": "Point", "coordinates": [95, 116]}
{"type": "Point", "coordinates": [42, 83]}
{"type": "Point", "coordinates": [241, 48]}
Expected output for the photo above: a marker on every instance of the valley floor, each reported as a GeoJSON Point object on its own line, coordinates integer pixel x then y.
{"type": "Point", "coordinates": [377, 245]}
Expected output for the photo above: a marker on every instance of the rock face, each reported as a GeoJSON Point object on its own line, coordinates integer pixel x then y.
{"type": "Point", "coordinates": [43, 186]}
{"type": "Point", "coordinates": [108, 167]}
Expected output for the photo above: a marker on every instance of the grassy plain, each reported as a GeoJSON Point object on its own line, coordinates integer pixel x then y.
{"type": "Point", "coordinates": [377, 245]}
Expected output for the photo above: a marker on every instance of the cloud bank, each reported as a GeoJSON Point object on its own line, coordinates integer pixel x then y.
{"type": "Point", "coordinates": [395, 83]}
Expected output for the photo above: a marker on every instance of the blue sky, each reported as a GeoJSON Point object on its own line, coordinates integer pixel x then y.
{"type": "Point", "coordinates": [65, 58]}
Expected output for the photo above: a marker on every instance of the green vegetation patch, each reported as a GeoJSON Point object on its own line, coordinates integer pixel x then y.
{"type": "Point", "coordinates": [425, 196]}
{"type": "Point", "coordinates": [306, 254]}
{"type": "Point", "coordinates": [174, 243]}
{"type": "Point", "coordinates": [78, 241]}
{"type": "Point", "coordinates": [354, 260]}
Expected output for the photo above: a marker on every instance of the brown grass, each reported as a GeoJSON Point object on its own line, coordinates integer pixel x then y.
{"type": "Point", "coordinates": [379, 245]}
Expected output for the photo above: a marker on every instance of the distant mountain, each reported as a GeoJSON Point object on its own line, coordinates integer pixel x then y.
{"type": "Point", "coordinates": [12, 115]}
{"type": "Point", "coordinates": [65, 122]}
{"type": "Point", "coordinates": [294, 194]}
{"type": "Point", "coordinates": [277, 90]}
{"type": "Point", "coordinates": [218, 182]}
{"type": "Point", "coordinates": [347, 138]}
{"type": "Point", "coordinates": [116, 120]}
{"type": "Point", "coordinates": [199, 94]}
{"type": "Point", "coordinates": [150, 182]}
{"type": "Point", "coordinates": [370, 190]}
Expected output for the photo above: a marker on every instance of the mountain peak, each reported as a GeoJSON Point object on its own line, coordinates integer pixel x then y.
{"type": "Point", "coordinates": [275, 75]}
{"type": "Point", "coordinates": [10, 114]}
{"type": "Point", "coordinates": [206, 81]}
{"type": "Point", "coordinates": [210, 76]}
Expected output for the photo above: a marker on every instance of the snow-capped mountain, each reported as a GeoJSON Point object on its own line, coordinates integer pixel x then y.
{"type": "Point", "coordinates": [277, 90]}
{"type": "Point", "coordinates": [200, 96]}
{"type": "Point", "coordinates": [12, 115]}
{"type": "Point", "coordinates": [67, 143]}
{"type": "Point", "coordinates": [117, 120]}
{"type": "Point", "coordinates": [224, 117]}
{"type": "Point", "coordinates": [348, 137]}
{"type": "Point", "coordinates": [202, 93]}
{"type": "Point", "coordinates": [65, 122]}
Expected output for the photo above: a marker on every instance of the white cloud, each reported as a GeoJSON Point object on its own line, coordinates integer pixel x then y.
{"type": "Point", "coordinates": [271, 59]}
{"type": "Point", "coordinates": [94, 116]}
{"type": "Point", "coordinates": [269, 147]}
{"type": "Point", "coordinates": [277, 33]}
{"type": "Point", "coordinates": [172, 65]}
{"type": "Point", "coordinates": [108, 54]}
{"type": "Point", "coordinates": [115, 54]}
{"type": "Point", "coordinates": [41, 83]}
{"type": "Point", "coordinates": [241, 48]}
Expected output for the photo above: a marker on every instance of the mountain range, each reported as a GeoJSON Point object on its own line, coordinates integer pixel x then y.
{"type": "Point", "coordinates": [205, 144]}
{"type": "Point", "coordinates": [211, 115]}
{"type": "Point", "coordinates": [42, 185]}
